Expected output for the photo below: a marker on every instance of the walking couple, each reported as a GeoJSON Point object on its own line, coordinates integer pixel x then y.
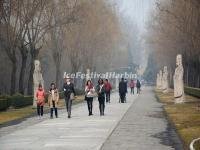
{"type": "Point", "coordinates": [101, 91]}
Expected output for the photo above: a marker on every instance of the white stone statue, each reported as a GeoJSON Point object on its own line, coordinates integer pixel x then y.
{"type": "Point", "coordinates": [117, 83]}
{"type": "Point", "coordinates": [157, 81]}
{"type": "Point", "coordinates": [160, 80]}
{"type": "Point", "coordinates": [88, 75]}
{"type": "Point", "coordinates": [165, 84]}
{"type": "Point", "coordinates": [37, 79]}
{"type": "Point", "coordinates": [178, 81]}
{"type": "Point", "coordinates": [65, 74]}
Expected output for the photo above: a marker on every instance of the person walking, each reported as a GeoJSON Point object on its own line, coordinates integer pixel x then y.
{"type": "Point", "coordinates": [108, 88]}
{"type": "Point", "coordinates": [69, 94]}
{"type": "Point", "coordinates": [126, 81]}
{"type": "Point", "coordinates": [122, 90]}
{"type": "Point", "coordinates": [132, 86]}
{"type": "Point", "coordinates": [101, 96]}
{"type": "Point", "coordinates": [138, 85]}
{"type": "Point", "coordinates": [53, 100]}
{"type": "Point", "coordinates": [89, 90]}
{"type": "Point", "coordinates": [40, 95]}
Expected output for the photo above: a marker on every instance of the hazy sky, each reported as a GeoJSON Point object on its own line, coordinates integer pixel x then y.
{"type": "Point", "coordinates": [137, 10]}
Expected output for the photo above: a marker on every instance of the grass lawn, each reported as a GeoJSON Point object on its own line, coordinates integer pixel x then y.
{"type": "Point", "coordinates": [185, 117]}
{"type": "Point", "coordinates": [14, 114]}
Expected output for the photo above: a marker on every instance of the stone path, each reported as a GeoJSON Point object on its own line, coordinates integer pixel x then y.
{"type": "Point", "coordinates": [144, 127]}
{"type": "Point", "coordinates": [136, 125]}
{"type": "Point", "coordinates": [81, 132]}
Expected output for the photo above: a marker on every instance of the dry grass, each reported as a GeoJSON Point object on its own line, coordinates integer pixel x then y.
{"type": "Point", "coordinates": [14, 114]}
{"type": "Point", "coordinates": [186, 117]}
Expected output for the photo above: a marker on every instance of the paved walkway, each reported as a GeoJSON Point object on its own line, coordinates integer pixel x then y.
{"type": "Point", "coordinates": [81, 132]}
{"type": "Point", "coordinates": [144, 127]}
{"type": "Point", "coordinates": [136, 125]}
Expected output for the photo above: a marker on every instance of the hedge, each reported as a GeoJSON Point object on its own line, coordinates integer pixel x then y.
{"type": "Point", "coordinates": [3, 104]}
{"type": "Point", "coordinates": [193, 91]}
{"type": "Point", "coordinates": [18, 100]}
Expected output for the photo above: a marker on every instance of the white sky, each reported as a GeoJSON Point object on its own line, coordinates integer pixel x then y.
{"type": "Point", "coordinates": [137, 10]}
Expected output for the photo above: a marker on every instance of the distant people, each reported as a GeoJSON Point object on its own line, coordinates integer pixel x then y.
{"type": "Point", "coordinates": [40, 95]}
{"type": "Point", "coordinates": [126, 81]}
{"type": "Point", "coordinates": [122, 90]}
{"type": "Point", "coordinates": [132, 86]}
{"type": "Point", "coordinates": [138, 85]}
{"type": "Point", "coordinates": [101, 96]}
{"type": "Point", "coordinates": [89, 90]}
{"type": "Point", "coordinates": [108, 88]}
{"type": "Point", "coordinates": [53, 100]}
{"type": "Point", "coordinates": [69, 94]}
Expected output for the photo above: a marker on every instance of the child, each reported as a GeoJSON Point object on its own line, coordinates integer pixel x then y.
{"type": "Point", "coordinates": [40, 94]}
{"type": "Point", "coordinates": [53, 100]}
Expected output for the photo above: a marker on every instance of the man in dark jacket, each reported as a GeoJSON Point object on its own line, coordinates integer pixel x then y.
{"type": "Point", "coordinates": [122, 90]}
{"type": "Point", "coordinates": [69, 93]}
{"type": "Point", "coordinates": [138, 85]}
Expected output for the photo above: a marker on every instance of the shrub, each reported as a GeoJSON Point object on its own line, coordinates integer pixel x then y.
{"type": "Point", "coordinates": [192, 91]}
{"type": "Point", "coordinates": [19, 100]}
{"type": "Point", "coordinates": [3, 104]}
{"type": "Point", "coordinates": [79, 92]}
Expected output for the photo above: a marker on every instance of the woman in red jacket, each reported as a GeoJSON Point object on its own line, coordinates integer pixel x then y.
{"type": "Point", "coordinates": [40, 94]}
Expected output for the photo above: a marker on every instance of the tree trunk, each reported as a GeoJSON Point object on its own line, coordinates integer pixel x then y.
{"type": "Point", "coordinates": [22, 73]}
{"type": "Point", "coordinates": [13, 77]}
{"type": "Point", "coordinates": [30, 81]}
{"type": "Point", "coordinates": [58, 74]}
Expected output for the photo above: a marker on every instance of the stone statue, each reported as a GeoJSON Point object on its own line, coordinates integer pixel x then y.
{"type": "Point", "coordinates": [65, 74]}
{"type": "Point", "coordinates": [157, 81]}
{"type": "Point", "coordinates": [88, 75]}
{"type": "Point", "coordinates": [165, 84]}
{"type": "Point", "coordinates": [117, 83]}
{"type": "Point", "coordinates": [160, 80]}
{"type": "Point", "coordinates": [178, 81]}
{"type": "Point", "coordinates": [37, 79]}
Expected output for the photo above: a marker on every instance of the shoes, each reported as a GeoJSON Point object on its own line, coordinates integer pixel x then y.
{"type": "Point", "coordinates": [69, 116]}
{"type": "Point", "coordinates": [90, 114]}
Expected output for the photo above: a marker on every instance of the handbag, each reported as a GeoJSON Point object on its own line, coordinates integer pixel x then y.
{"type": "Point", "coordinates": [72, 96]}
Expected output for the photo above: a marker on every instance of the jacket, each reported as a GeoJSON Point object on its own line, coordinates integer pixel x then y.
{"type": "Point", "coordinates": [40, 94]}
{"type": "Point", "coordinates": [122, 87]}
{"type": "Point", "coordinates": [100, 90]}
{"type": "Point", "coordinates": [89, 91]}
{"type": "Point", "coordinates": [108, 86]}
{"type": "Point", "coordinates": [132, 84]}
{"type": "Point", "coordinates": [68, 89]}
{"type": "Point", "coordinates": [53, 96]}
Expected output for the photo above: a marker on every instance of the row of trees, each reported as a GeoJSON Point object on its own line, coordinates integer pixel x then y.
{"type": "Point", "coordinates": [66, 35]}
{"type": "Point", "coordinates": [175, 28]}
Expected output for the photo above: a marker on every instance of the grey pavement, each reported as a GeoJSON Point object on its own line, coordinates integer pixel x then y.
{"type": "Point", "coordinates": [144, 127]}
{"type": "Point", "coordinates": [81, 132]}
{"type": "Point", "coordinates": [138, 124]}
